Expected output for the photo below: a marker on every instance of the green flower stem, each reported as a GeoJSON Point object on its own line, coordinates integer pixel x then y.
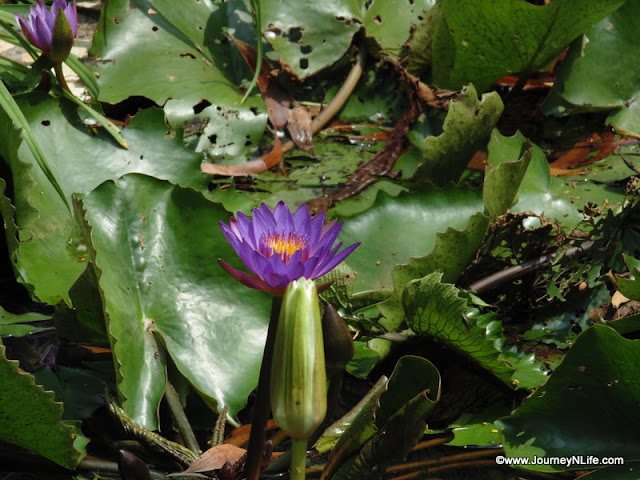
{"type": "Point", "coordinates": [255, 6]}
{"type": "Point", "coordinates": [298, 458]}
{"type": "Point", "coordinates": [262, 408]}
{"type": "Point", "coordinates": [57, 68]}
{"type": "Point", "coordinates": [173, 400]}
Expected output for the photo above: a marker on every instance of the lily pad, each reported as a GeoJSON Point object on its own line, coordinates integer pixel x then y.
{"type": "Point", "coordinates": [16, 325]}
{"type": "Point", "coordinates": [419, 216]}
{"type": "Point", "coordinates": [313, 36]}
{"type": "Point", "coordinates": [49, 256]}
{"type": "Point", "coordinates": [436, 309]}
{"type": "Point", "coordinates": [558, 419]}
{"type": "Point", "coordinates": [586, 83]}
{"type": "Point", "coordinates": [156, 250]}
{"type": "Point", "coordinates": [466, 129]}
{"type": "Point", "coordinates": [30, 418]}
{"type": "Point", "coordinates": [481, 42]}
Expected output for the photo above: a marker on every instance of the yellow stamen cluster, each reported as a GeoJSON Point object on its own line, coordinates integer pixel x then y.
{"type": "Point", "coordinates": [284, 245]}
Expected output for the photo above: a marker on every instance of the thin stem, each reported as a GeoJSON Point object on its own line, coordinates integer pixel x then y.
{"type": "Point", "coordinates": [517, 271]}
{"type": "Point", "coordinates": [298, 458]}
{"type": "Point", "coordinates": [181, 419]}
{"type": "Point", "coordinates": [262, 408]}
{"type": "Point", "coordinates": [339, 99]}
{"type": "Point", "coordinates": [218, 431]}
{"type": "Point", "coordinates": [60, 77]}
{"type": "Point", "coordinates": [255, 6]}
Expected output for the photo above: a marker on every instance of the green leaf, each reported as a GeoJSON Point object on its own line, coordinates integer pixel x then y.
{"type": "Point", "coordinates": [436, 309]}
{"type": "Point", "coordinates": [558, 420]}
{"type": "Point", "coordinates": [12, 324]}
{"type": "Point", "coordinates": [541, 193]}
{"type": "Point", "coordinates": [156, 248]}
{"type": "Point", "coordinates": [506, 168]}
{"type": "Point", "coordinates": [419, 216]}
{"type": "Point", "coordinates": [585, 83]}
{"type": "Point", "coordinates": [466, 130]}
{"type": "Point", "coordinates": [413, 390]}
{"type": "Point", "coordinates": [131, 36]}
{"type": "Point", "coordinates": [81, 391]}
{"type": "Point", "coordinates": [50, 256]}
{"type": "Point", "coordinates": [15, 114]}
{"type": "Point", "coordinates": [312, 36]}
{"type": "Point", "coordinates": [452, 253]}
{"type": "Point", "coordinates": [485, 434]}
{"type": "Point", "coordinates": [630, 287]}
{"type": "Point", "coordinates": [30, 418]}
{"type": "Point", "coordinates": [349, 433]}
{"type": "Point", "coordinates": [481, 42]}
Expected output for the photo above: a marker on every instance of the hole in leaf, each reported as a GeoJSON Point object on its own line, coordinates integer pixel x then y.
{"type": "Point", "coordinates": [275, 30]}
{"type": "Point", "coordinates": [188, 54]}
{"type": "Point", "coordinates": [306, 49]}
{"type": "Point", "coordinates": [46, 123]}
{"type": "Point", "coordinates": [377, 19]}
{"type": "Point", "coordinates": [213, 138]}
{"type": "Point", "coordinates": [128, 107]}
{"type": "Point", "coordinates": [154, 28]}
{"type": "Point", "coordinates": [304, 63]}
{"type": "Point", "coordinates": [294, 34]}
{"type": "Point", "coordinates": [201, 105]}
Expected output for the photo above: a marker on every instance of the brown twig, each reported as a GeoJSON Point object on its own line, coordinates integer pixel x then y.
{"type": "Point", "coordinates": [381, 163]}
{"type": "Point", "coordinates": [517, 271]}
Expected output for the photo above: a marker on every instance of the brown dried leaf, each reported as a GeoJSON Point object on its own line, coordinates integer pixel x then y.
{"type": "Point", "coordinates": [581, 153]}
{"type": "Point", "coordinates": [259, 165]}
{"type": "Point", "coordinates": [299, 127]}
{"type": "Point", "coordinates": [216, 457]}
{"type": "Point", "coordinates": [276, 98]}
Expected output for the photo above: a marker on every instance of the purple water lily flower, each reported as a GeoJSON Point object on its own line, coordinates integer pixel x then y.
{"type": "Point", "coordinates": [39, 28]}
{"type": "Point", "coordinates": [280, 247]}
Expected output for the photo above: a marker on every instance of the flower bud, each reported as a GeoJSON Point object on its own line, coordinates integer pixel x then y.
{"type": "Point", "coordinates": [298, 377]}
{"type": "Point", "coordinates": [62, 39]}
{"type": "Point", "coordinates": [51, 30]}
{"type": "Point", "coordinates": [338, 344]}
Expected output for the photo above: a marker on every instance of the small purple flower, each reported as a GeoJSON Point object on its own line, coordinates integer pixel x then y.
{"type": "Point", "coordinates": [39, 28]}
{"type": "Point", "coordinates": [280, 247]}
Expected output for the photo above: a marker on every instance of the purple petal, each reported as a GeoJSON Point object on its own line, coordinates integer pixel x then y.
{"type": "Point", "coordinates": [43, 33]}
{"type": "Point", "coordinates": [302, 219]}
{"type": "Point", "coordinates": [310, 264]}
{"type": "Point", "coordinates": [246, 230]}
{"type": "Point", "coordinates": [263, 222]}
{"type": "Point", "coordinates": [28, 32]}
{"type": "Point", "coordinates": [275, 271]}
{"type": "Point", "coordinates": [337, 260]}
{"type": "Point", "coordinates": [329, 236]}
{"type": "Point", "coordinates": [244, 278]}
{"type": "Point", "coordinates": [71, 12]}
{"type": "Point", "coordinates": [315, 230]}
